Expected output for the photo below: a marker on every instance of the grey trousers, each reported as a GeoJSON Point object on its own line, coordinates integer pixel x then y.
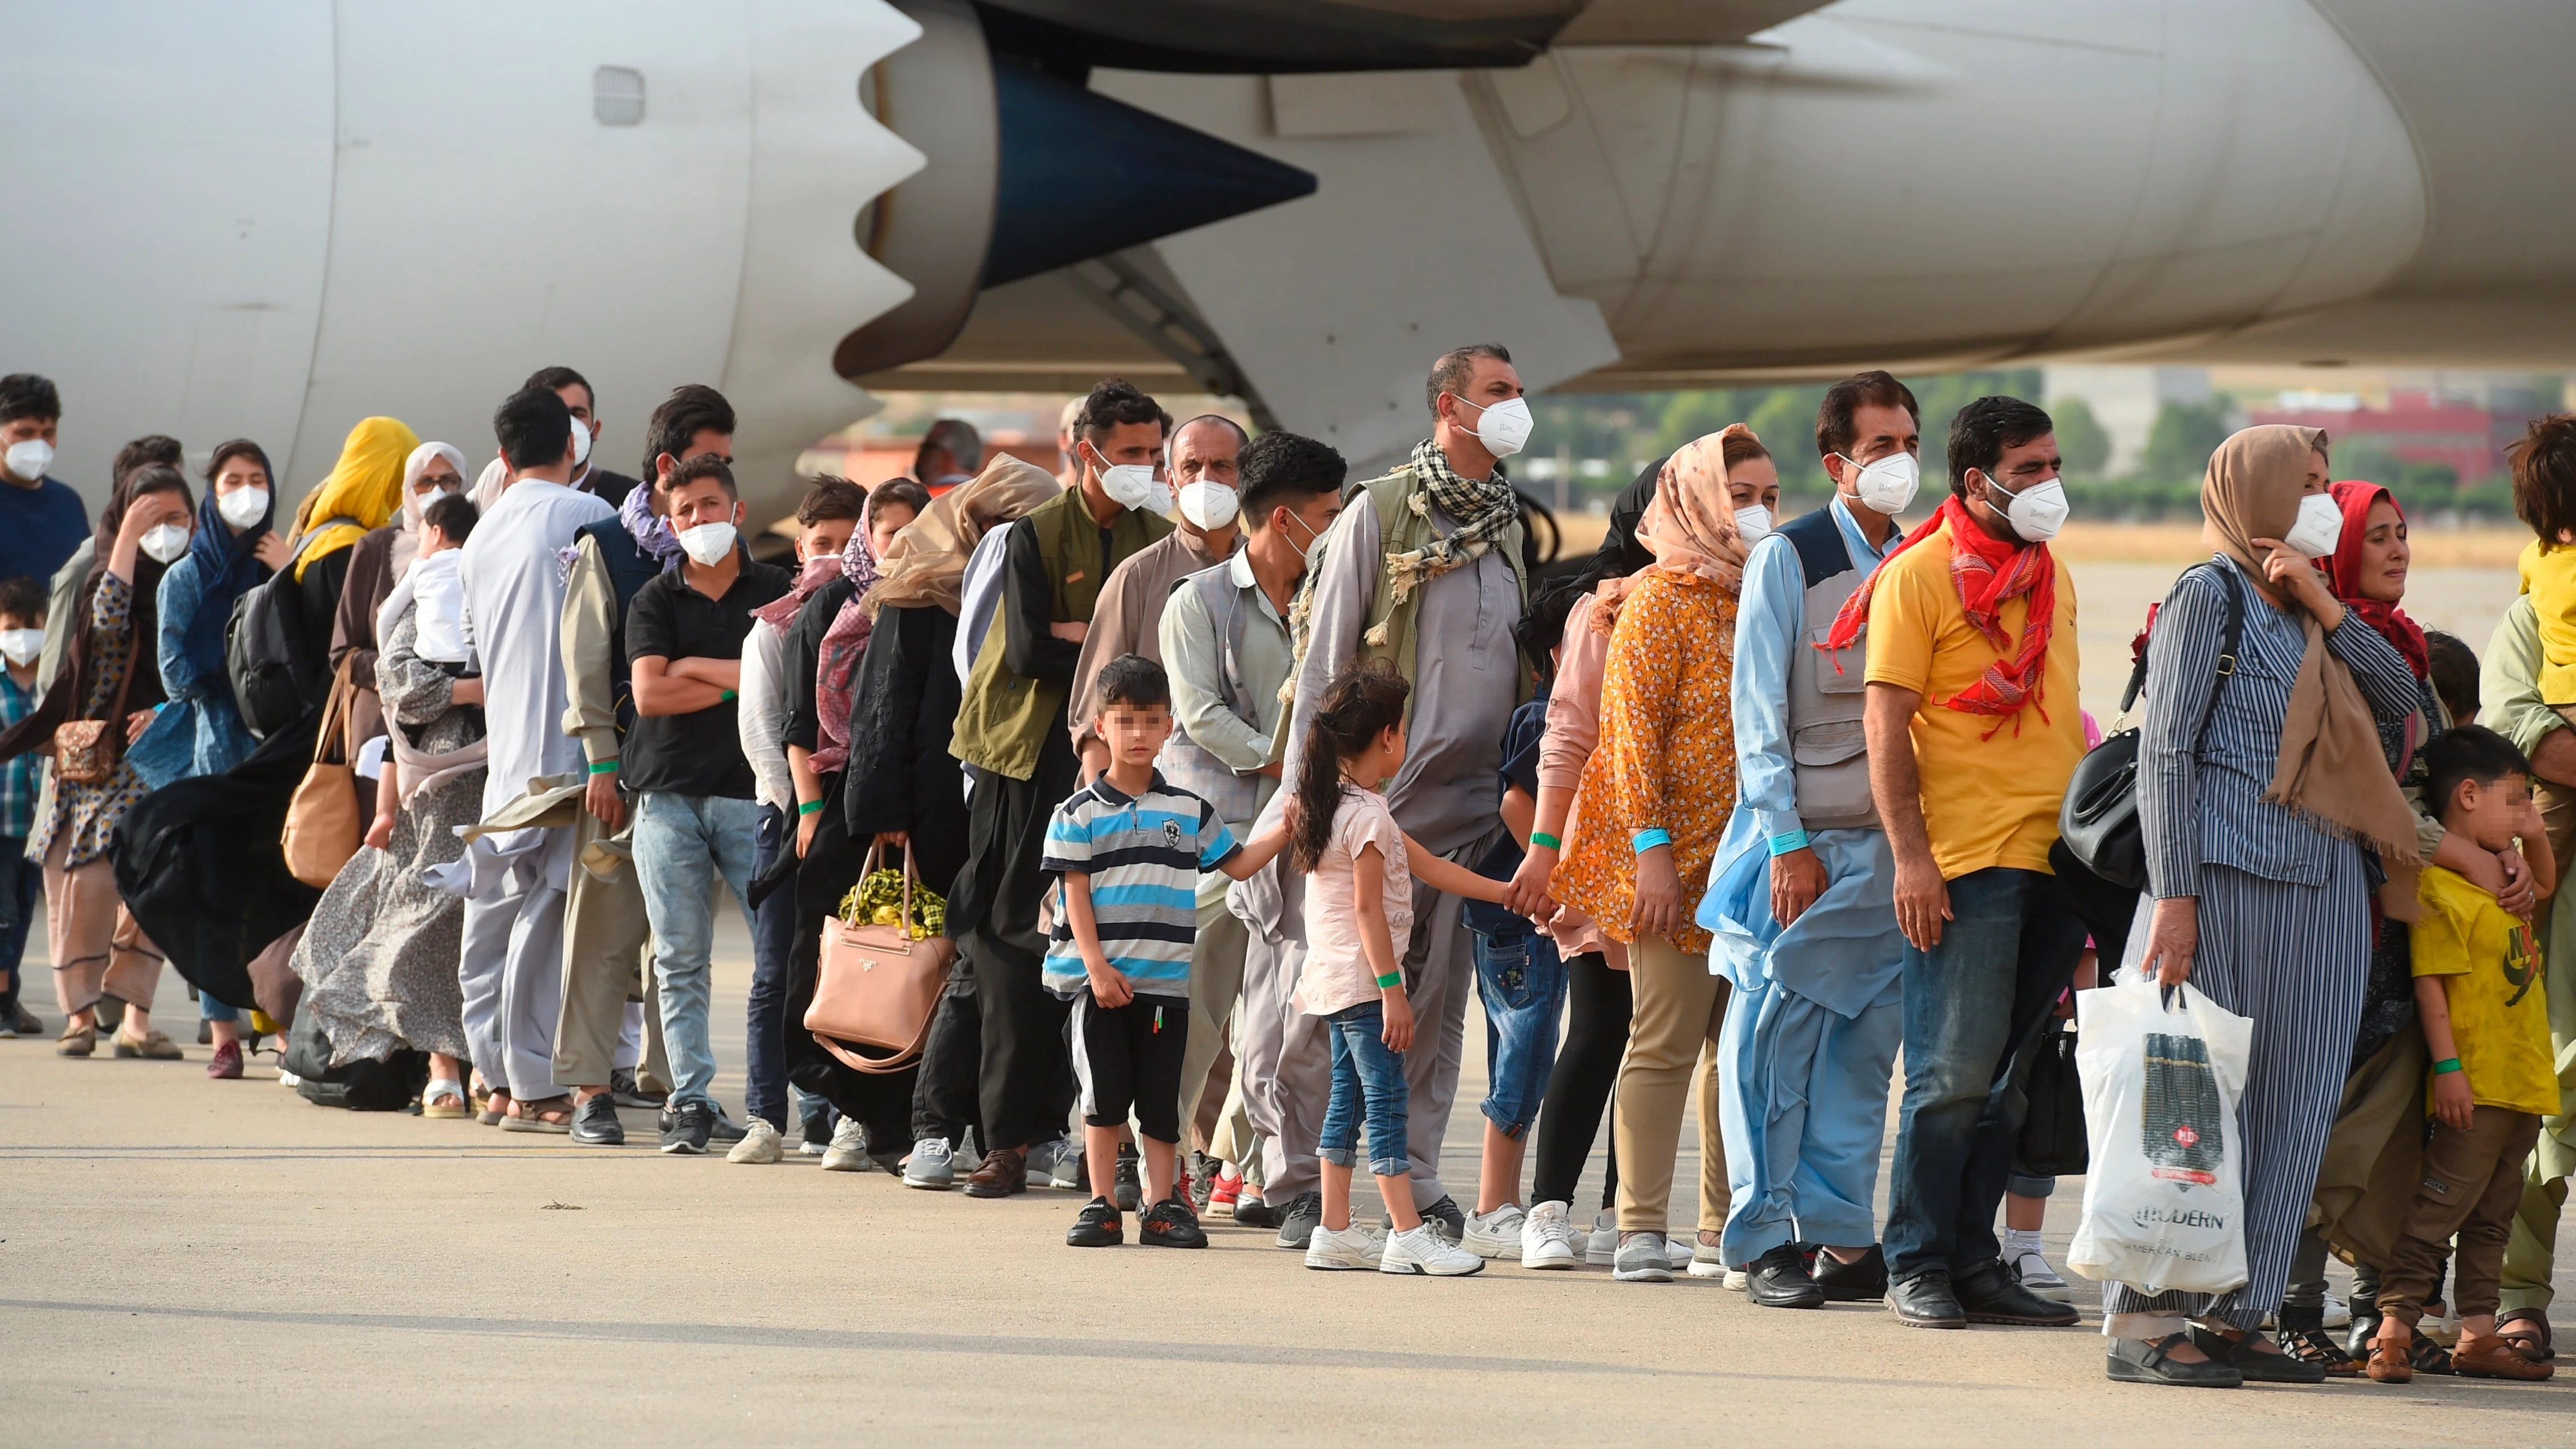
{"type": "Point", "coordinates": [511, 972]}
{"type": "Point", "coordinates": [1216, 980]}
{"type": "Point", "coordinates": [1285, 1065]}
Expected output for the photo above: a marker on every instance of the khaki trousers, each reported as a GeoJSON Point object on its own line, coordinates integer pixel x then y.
{"type": "Point", "coordinates": [2471, 1187]}
{"type": "Point", "coordinates": [97, 948]}
{"type": "Point", "coordinates": [605, 936]}
{"type": "Point", "coordinates": [1216, 981]}
{"type": "Point", "coordinates": [1680, 1007]}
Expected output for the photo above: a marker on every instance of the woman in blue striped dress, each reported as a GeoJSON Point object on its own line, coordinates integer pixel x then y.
{"type": "Point", "coordinates": [2265, 840]}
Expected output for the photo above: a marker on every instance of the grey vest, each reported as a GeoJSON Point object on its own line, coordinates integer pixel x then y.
{"type": "Point", "coordinates": [1826, 689]}
{"type": "Point", "coordinates": [1237, 798]}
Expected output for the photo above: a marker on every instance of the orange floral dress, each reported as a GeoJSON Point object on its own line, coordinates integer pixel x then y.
{"type": "Point", "coordinates": [1667, 754]}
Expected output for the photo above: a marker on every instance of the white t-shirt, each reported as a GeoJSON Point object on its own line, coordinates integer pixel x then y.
{"type": "Point", "coordinates": [1337, 973]}
{"type": "Point", "coordinates": [439, 596]}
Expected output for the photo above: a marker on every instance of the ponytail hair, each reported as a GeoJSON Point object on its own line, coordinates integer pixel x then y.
{"type": "Point", "coordinates": [1362, 702]}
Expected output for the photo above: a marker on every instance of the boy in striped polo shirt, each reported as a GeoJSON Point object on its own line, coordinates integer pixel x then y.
{"type": "Point", "coordinates": [1128, 849]}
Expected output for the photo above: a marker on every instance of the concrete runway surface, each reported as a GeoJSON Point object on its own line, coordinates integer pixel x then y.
{"type": "Point", "coordinates": [195, 1262]}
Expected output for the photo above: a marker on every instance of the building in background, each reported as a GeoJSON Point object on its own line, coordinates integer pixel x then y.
{"type": "Point", "coordinates": [2423, 422]}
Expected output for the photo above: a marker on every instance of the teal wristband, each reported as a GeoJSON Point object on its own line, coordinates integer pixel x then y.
{"type": "Point", "coordinates": [604, 767]}
{"type": "Point", "coordinates": [725, 696]}
{"type": "Point", "coordinates": [1788, 840]}
{"type": "Point", "coordinates": [1646, 840]}
{"type": "Point", "coordinates": [810, 807]}
{"type": "Point", "coordinates": [2446, 1064]}
{"type": "Point", "coordinates": [1390, 981]}
{"type": "Point", "coordinates": [1541, 837]}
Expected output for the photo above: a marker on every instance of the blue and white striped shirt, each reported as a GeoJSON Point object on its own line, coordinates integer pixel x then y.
{"type": "Point", "coordinates": [1143, 856]}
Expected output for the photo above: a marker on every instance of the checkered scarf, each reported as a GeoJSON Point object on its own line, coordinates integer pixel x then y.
{"type": "Point", "coordinates": [1485, 510]}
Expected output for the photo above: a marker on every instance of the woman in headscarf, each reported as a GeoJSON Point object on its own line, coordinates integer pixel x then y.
{"type": "Point", "coordinates": [2266, 831]}
{"type": "Point", "coordinates": [363, 492]}
{"type": "Point", "coordinates": [108, 678]}
{"type": "Point", "coordinates": [900, 787]}
{"type": "Point", "coordinates": [1656, 795]}
{"type": "Point", "coordinates": [376, 564]}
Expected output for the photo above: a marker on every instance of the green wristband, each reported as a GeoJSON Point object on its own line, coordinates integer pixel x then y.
{"type": "Point", "coordinates": [1390, 981]}
{"type": "Point", "coordinates": [810, 807]}
{"type": "Point", "coordinates": [604, 767]}
{"type": "Point", "coordinates": [725, 696]}
{"type": "Point", "coordinates": [2446, 1064]}
{"type": "Point", "coordinates": [1541, 837]}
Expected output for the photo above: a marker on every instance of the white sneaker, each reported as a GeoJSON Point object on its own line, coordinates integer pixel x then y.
{"type": "Point", "coordinates": [1736, 1278]}
{"type": "Point", "coordinates": [931, 1167]}
{"type": "Point", "coordinates": [1421, 1250]}
{"type": "Point", "coordinates": [760, 1143]}
{"type": "Point", "coordinates": [1496, 1234]}
{"type": "Point", "coordinates": [1679, 1253]}
{"type": "Point", "coordinates": [1643, 1258]}
{"type": "Point", "coordinates": [2338, 1312]}
{"type": "Point", "coordinates": [849, 1149]}
{"type": "Point", "coordinates": [1708, 1262]}
{"type": "Point", "coordinates": [2033, 1272]}
{"type": "Point", "coordinates": [1549, 1239]}
{"type": "Point", "coordinates": [1357, 1247]}
{"type": "Point", "coordinates": [1602, 1248]}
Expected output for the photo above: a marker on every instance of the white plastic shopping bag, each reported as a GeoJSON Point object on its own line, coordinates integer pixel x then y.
{"type": "Point", "coordinates": [2164, 1204]}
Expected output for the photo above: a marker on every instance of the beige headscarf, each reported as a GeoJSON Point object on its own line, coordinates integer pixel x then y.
{"type": "Point", "coordinates": [2331, 769]}
{"type": "Point", "coordinates": [1689, 526]}
{"type": "Point", "coordinates": [926, 563]}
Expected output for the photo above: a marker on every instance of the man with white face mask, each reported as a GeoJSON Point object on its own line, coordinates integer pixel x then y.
{"type": "Point", "coordinates": [1011, 732]}
{"type": "Point", "coordinates": [41, 518]}
{"type": "Point", "coordinates": [607, 486]}
{"type": "Point", "coordinates": [1798, 897]}
{"type": "Point", "coordinates": [1436, 590]}
{"type": "Point", "coordinates": [1974, 727]}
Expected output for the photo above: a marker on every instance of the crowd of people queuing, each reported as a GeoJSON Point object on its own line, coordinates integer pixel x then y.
{"type": "Point", "coordinates": [1722, 818]}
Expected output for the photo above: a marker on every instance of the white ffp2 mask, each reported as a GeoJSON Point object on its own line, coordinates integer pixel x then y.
{"type": "Point", "coordinates": [707, 543]}
{"type": "Point", "coordinates": [243, 506]}
{"type": "Point", "coordinates": [2320, 526]}
{"type": "Point", "coordinates": [580, 443]}
{"type": "Point", "coordinates": [1209, 505]}
{"type": "Point", "coordinates": [1133, 485]}
{"type": "Point", "coordinates": [2036, 512]}
{"type": "Point", "coordinates": [1503, 427]}
{"type": "Point", "coordinates": [1752, 524]}
{"type": "Point", "coordinates": [21, 646]}
{"type": "Point", "coordinates": [1887, 486]}
{"type": "Point", "coordinates": [164, 543]}
{"type": "Point", "coordinates": [30, 457]}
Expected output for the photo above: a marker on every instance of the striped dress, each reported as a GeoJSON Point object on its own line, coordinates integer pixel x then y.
{"type": "Point", "coordinates": [2284, 905]}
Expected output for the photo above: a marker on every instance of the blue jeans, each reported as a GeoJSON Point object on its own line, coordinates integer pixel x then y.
{"type": "Point", "coordinates": [1972, 1004]}
{"type": "Point", "coordinates": [1521, 981]}
{"type": "Point", "coordinates": [773, 928]}
{"type": "Point", "coordinates": [1366, 1073]}
{"type": "Point", "coordinates": [682, 844]}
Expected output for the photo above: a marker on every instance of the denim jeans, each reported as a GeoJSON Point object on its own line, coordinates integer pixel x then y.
{"type": "Point", "coordinates": [682, 844]}
{"type": "Point", "coordinates": [773, 927]}
{"type": "Point", "coordinates": [1367, 1075]}
{"type": "Point", "coordinates": [1521, 981]}
{"type": "Point", "coordinates": [1972, 1004]}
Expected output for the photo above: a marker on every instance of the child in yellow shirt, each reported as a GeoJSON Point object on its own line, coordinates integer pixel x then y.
{"type": "Point", "coordinates": [2485, 1016]}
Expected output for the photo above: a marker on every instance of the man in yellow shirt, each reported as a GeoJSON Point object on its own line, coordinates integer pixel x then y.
{"type": "Point", "coordinates": [1974, 729]}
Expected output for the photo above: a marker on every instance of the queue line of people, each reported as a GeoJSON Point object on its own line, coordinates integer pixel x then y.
{"type": "Point", "coordinates": [1766, 802]}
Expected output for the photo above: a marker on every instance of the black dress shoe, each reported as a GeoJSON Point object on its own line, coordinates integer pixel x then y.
{"type": "Point", "coordinates": [1252, 1212]}
{"type": "Point", "coordinates": [2252, 1363]}
{"type": "Point", "coordinates": [1992, 1295]}
{"type": "Point", "coordinates": [1862, 1280]}
{"type": "Point", "coordinates": [2139, 1361]}
{"type": "Point", "coordinates": [595, 1124]}
{"type": "Point", "coordinates": [1779, 1279]}
{"type": "Point", "coordinates": [1925, 1301]}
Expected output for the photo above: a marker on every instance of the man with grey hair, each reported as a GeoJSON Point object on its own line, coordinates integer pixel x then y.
{"type": "Point", "coordinates": [950, 453]}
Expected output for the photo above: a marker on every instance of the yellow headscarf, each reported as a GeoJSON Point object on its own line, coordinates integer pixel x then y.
{"type": "Point", "coordinates": [365, 486]}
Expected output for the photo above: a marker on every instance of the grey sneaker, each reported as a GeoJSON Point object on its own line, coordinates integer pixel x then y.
{"type": "Point", "coordinates": [1297, 1226]}
{"type": "Point", "coordinates": [761, 1143]}
{"type": "Point", "coordinates": [932, 1167]}
{"type": "Point", "coordinates": [1058, 1164]}
{"type": "Point", "coordinates": [849, 1150]}
{"type": "Point", "coordinates": [1643, 1258]}
{"type": "Point", "coordinates": [1127, 1188]}
{"type": "Point", "coordinates": [1601, 1245]}
{"type": "Point", "coordinates": [621, 1086]}
{"type": "Point", "coordinates": [1496, 1234]}
{"type": "Point", "coordinates": [1448, 1219]}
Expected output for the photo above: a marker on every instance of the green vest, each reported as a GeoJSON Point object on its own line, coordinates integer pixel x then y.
{"type": "Point", "coordinates": [1003, 719]}
{"type": "Point", "coordinates": [1392, 629]}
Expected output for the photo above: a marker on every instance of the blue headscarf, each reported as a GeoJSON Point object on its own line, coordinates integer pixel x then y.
{"type": "Point", "coordinates": [226, 562]}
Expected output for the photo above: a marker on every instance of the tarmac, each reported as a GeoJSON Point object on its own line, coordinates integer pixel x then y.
{"type": "Point", "coordinates": [194, 1262]}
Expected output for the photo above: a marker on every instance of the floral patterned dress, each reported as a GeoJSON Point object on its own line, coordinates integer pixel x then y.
{"type": "Point", "coordinates": [84, 816]}
{"type": "Point", "coordinates": [1666, 760]}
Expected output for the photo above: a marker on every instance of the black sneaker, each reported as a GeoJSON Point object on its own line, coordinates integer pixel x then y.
{"type": "Point", "coordinates": [691, 1124]}
{"type": "Point", "coordinates": [1299, 1219]}
{"type": "Point", "coordinates": [1129, 1186]}
{"type": "Point", "coordinates": [1172, 1225]}
{"type": "Point", "coordinates": [1991, 1294]}
{"type": "Point", "coordinates": [1862, 1280]}
{"type": "Point", "coordinates": [1096, 1226]}
{"type": "Point", "coordinates": [1925, 1301]}
{"type": "Point", "coordinates": [595, 1124]}
{"type": "Point", "coordinates": [1779, 1279]}
{"type": "Point", "coordinates": [1254, 1212]}
{"type": "Point", "coordinates": [1445, 1217]}
{"type": "Point", "coordinates": [621, 1086]}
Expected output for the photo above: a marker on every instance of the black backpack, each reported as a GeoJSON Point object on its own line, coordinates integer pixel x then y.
{"type": "Point", "coordinates": [361, 1086]}
{"type": "Point", "coordinates": [273, 668]}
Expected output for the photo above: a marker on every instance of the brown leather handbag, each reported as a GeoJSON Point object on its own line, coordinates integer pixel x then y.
{"type": "Point", "coordinates": [322, 825]}
{"type": "Point", "coordinates": [875, 986]}
{"type": "Point", "coordinates": [86, 751]}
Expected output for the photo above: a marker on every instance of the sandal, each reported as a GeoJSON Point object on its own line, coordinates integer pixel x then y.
{"type": "Point", "coordinates": [549, 1114]}
{"type": "Point", "coordinates": [2527, 1329]}
{"type": "Point", "coordinates": [2316, 1346]}
{"type": "Point", "coordinates": [492, 1108]}
{"type": "Point", "coordinates": [2390, 1362]}
{"type": "Point", "coordinates": [443, 1098]}
{"type": "Point", "coordinates": [2430, 1357]}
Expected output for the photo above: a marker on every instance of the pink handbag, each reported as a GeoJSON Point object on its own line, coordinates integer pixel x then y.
{"type": "Point", "coordinates": [875, 986]}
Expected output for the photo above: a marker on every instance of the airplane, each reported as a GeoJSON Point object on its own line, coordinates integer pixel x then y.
{"type": "Point", "coordinates": [273, 220]}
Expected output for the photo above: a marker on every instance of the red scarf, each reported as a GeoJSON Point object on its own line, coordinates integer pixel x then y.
{"type": "Point", "coordinates": [2343, 575]}
{"type": "Point", "coordinates": [1988, 572]}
